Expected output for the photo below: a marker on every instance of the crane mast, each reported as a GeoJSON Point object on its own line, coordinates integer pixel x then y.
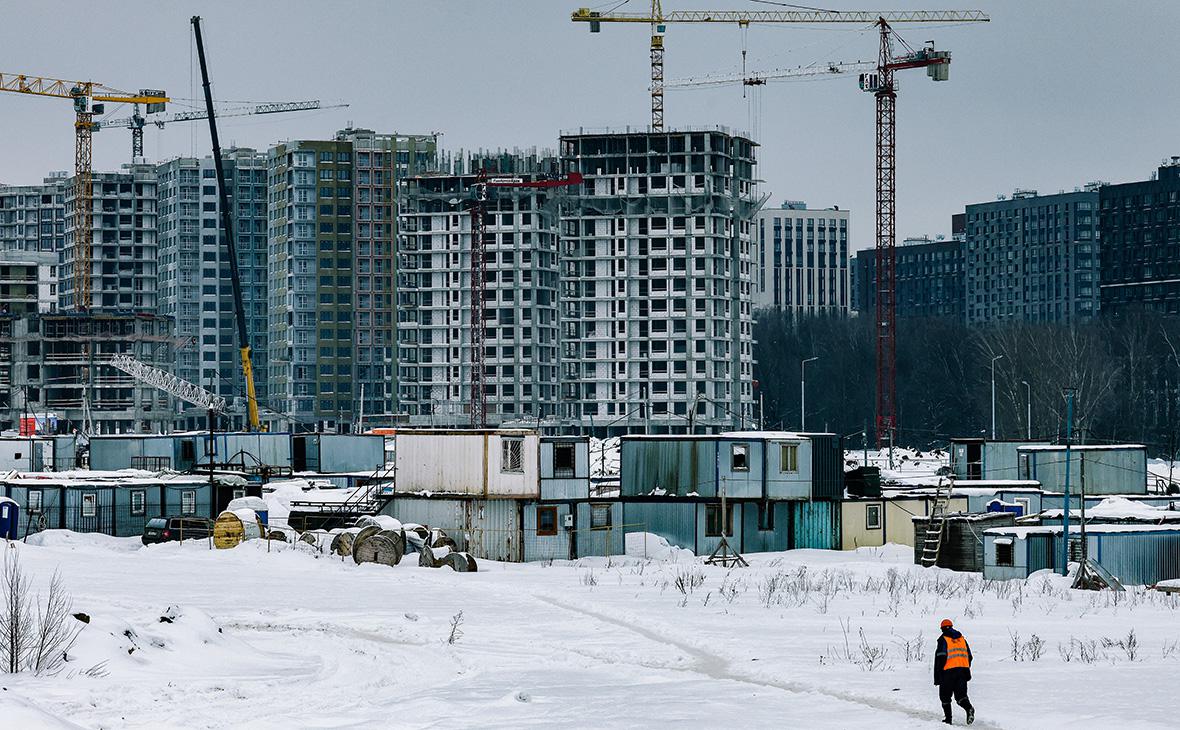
{"type": "Point", "coordinates": [886, 249]}
{"type": "Point", "coordinates": [231, 248]}
{"type": "Point", "coordinates": [483, 181]}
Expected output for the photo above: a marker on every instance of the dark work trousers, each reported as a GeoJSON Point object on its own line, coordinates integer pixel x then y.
{"type": "Point", "coordinates": [954, 683]}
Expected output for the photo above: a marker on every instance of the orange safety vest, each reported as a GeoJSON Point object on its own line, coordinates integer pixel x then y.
{"type": "Point", "coordinates": [956, 654]}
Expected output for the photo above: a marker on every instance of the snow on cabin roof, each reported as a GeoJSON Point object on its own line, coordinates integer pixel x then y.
{"type": "Point", "coordinates": [966, 516]}
{"type": "Point", "coordinates": [727, 436]}
{"type": "Point", "coordinates": [1090, 530]}
{"type": "Point", "coordinates": [1083, 447]}
{"type": "Point", "coordinates": [1006, 483]}
{"type": "Point", "coordinates": [988, 491]}
{"type": "Point", "coordinates": [1119, 508]}
{"type": "Point", "coordinates": [462, 432]}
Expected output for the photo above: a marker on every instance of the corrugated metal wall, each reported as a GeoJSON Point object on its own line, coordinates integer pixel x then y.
{"type": "Point", "coordinates": [1138, 558]}
{"type": "Point", "coordinates": [487, 528]}
{"type": "Point", "coordinates": [676, 466]}
{"type": "Point", "coordinates": [755, 540]}
{"type": "Point", "coordinates": [827, 467]}
{"type": "Point", "coordinates": [815, 525]}
{"type": "Point", "coordinates": [671, 520]}
{"type": "Point", "coordinates": [101, 517]}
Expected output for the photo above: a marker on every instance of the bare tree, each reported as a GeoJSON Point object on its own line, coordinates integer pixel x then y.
{"type": "Point", "coordinates": [57, 630]}
{"type": "Point", "coordinates": [16, 615]}
{"type": "Point", "coordinates": [35, 636]}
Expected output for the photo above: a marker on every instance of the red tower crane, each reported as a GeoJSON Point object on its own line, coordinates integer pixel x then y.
{"type": "Point", "coordinates": [881, 84]}
{"type": "Point", "coordinates": [479, 269]}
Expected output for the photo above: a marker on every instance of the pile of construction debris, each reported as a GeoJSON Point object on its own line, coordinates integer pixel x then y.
{"type": "Point", "coordinates": [384, 540]}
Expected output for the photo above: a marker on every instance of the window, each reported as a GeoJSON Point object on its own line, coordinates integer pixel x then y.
{"type": "Point", "coordinates": [188, 502]}
{"type": "Point", "coordinates": [788, 460]}
{"type": "Point", "coordinates": [89, 504]}
{"type": "Point", "coordinates": [239, 493]}
{"type": "Point", "coordinates": [739, 457]}
{"type": "Point", "coordinates": [713, 521]}
{"type": "Point", "coordinates": [138, 502]}
{"type": "Point", "coordinates": [1023, 502]}
{"type": "Point", "coordinates": [188, 451]}
{"type": "Point", "coordinates": [546, 521]}
{"type": "Point", "coordinates": [600, 517]}
{"type": "Point", "coordinates": [35, 496]}
{"type": "Point", "coordinates": [512, 455]}
{"type": "Point", "coordinates": [873, 517]}
{"type": "Point", "coordinates": [563, 460]}
{"type": "Point", "coordinates": [1004, 552]}
{"type": "Point", "coordinates": [766, 516]}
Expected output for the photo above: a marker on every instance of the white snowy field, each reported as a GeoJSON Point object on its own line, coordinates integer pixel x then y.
{"type": "Point", "coordinates": [805, 639]}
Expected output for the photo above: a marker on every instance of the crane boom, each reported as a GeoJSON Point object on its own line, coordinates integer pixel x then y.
{"type": "Point", "coordinates": [231, 248]}
{"type": "Point", "coordinates": [658, 21]}
{"type": "Point", "coordinates": [84, 95]}
{"type": "Point", "coordinates": [758, 78]}
{"type": "Point", "coordinates": [169, 383]}
{"type": "Point", "coordinates": [136, 122]}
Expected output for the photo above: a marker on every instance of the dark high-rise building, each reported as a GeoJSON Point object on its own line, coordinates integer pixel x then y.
{"type": "Point", "coordinates": [1033, 258]}
{"type": "Point", "coordinates": [930, 279]}
{"type": "Point", "coordinates": [1140, 226]}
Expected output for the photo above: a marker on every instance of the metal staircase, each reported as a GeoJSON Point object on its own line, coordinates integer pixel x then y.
{"type": "Point", "coordinates": [936, 527]}
{"type": "Point", "coordinates": [366, 500]}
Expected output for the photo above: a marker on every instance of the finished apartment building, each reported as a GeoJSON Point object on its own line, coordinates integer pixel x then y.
{"type": "Point", "coordinates": [195, 287]}
{"type": "Point", "coordinates": [521, 338]}
{"type": "Point", "coordinates": [331, 278]}
{"type": "Point", "coordinates": [802, 262]}
{"type": "Point", "coordinates": [1033, 258]}
{"type": "Point", "coordinates": [930, 279]}
{"type": "Point", "coordinates": [657, 277]}
{"type": "Point", "coordinates": [1141, 244]}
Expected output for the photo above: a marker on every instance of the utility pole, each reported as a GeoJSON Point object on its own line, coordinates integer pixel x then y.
{"type": "Point", "coordinates": [1069, 396]}
{"type": "Point", "coordinates": [997, 357]}
{"type": "Point", "coordinates": [212, 437]}
{"type": "Point", "coordinates": [803, 393]}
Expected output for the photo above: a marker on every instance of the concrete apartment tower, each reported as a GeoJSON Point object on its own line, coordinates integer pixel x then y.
{"type": "Point", "coordinates": [802, 262]}
{"type": "Point", "coordinates": [434, 294]}
{"type": "Point", "coordinates": [657, 257]}
{"type": "Point", "coordinates": [60, 356]}
{"type": "Point", "coordinates": [194, 271]}
{"type": "Point", "coordinates": [331, 284]}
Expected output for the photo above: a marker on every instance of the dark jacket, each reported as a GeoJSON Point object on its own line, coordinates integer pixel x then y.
{"type": "Point", "coordinates": [940, 656]}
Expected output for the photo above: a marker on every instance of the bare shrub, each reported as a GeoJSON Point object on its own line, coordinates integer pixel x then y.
{"type": "Point", "coordinates": [1015, 648]}
{"type": "Point", "coordinates": [589, 579]}
{"type": "Point", "coordinates": [1129, 645]}
{"type": "Point", "coordinates": [911, 650]}
{"type": "Point", "coordinates": [729, 588]}
{"type": "Point", "coordinates": [688, 580]}
{"type": "Point", "coordinates": [1034, 648]}
{"type": "Point", "coordinates": [456, 632]}
{"type": "Point", "coordinates": [1171, 648]}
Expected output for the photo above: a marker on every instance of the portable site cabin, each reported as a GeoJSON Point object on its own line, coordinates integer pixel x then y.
{"type": "Point", "coordinates": [980, 493]}
{"type": "Point", "coordinates": [962, 539]}
{"type": "Point", "coordinates": [565, 467]}
{"type": "Point", "coordinates": [114, 506]}
{"type": "Point", "coordinates": [1094, 469]}
{"type": "Point", "coordinates": [491, 463]}
{"type": "Point", "coordinates": [25, 454]}
{"type": "Point", "coordinates": [253, 452]}
{"type": "Point", "coordinates": [983, 459]}
{"type": "Point", "coordinates": [769, 465]}
{"type": "Point", "coordinates": [1135, 554]}
{"type": "Point", "coordinates": [868, 522]}
{"type": "Point", "coordinates": [336, 453]}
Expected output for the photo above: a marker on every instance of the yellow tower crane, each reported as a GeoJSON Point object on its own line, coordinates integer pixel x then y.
{"type": "Point", "coordinates": [88, 98]}
{"type": "Point", "coordinates": [658, 20]}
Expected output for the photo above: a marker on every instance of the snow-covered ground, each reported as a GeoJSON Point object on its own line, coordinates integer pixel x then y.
{"type": "Point", "coordinates": [805, 639]}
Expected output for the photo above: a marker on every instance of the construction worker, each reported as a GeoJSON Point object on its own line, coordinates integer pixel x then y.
{"type": "Point", "coordinates": [952, 671]}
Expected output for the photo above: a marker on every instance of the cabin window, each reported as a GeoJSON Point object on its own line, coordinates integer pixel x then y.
{"type": "Point", "coordinates": [713, 521]}
{"type": "Point", "coordinates": [1004, 553]}
{"type": "Point", "coordinates": [546, 521]}
{"type": "Point", "coordinates": [188, 502]}
{"type": "Point", "coordinates": [239, 493]}
{"type": "Point", "coordinates": [1024, 503]}
{"type": "Point", "coordinates": [17, 455]}
{"type": "Point", "coordinates": [600, 517]}
{"type": "Point", "coordinates": [739, 457]}
{"type": "Point", "coordinates": [512, 456]}
{"type": "Point", "coordinates": [89, 504]}
{"type": "Point", "coordinates": [563, 460]}
{"type": "Point", "coordinates": [873, 516]}
{"type": "Point", "coordinates": [766, 516]}
{"type": "Point", "coordinates": [138, 502]}
{"type": "Point", "coordinates": [188, 451]}
{"type": "Point", "coordinates": [35, 500]}
{"type": "Point", "coordinates": [788, 458]}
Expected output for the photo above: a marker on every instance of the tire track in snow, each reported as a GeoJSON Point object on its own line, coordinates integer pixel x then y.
{"type": "Point", "coordinates": [718, 668]}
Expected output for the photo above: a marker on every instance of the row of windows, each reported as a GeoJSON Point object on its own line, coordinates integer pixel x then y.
{"type": "Point", "coordinates": [89, 505]}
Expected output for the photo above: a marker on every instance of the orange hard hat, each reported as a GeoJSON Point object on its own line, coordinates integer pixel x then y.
{"type": "Point", "coordinates": [946, 622]}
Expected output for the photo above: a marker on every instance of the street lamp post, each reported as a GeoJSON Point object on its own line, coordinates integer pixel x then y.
{"type": "Point", "coordinates": [997, 357]}
{"type": "Point", "coordinates": [1028, 412]}
{"type": "Point", "coordinates": [803, 392]}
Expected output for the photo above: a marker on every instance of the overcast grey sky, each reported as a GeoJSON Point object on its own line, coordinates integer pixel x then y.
{"type": "Point", "coordinates": [1049, 95]}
